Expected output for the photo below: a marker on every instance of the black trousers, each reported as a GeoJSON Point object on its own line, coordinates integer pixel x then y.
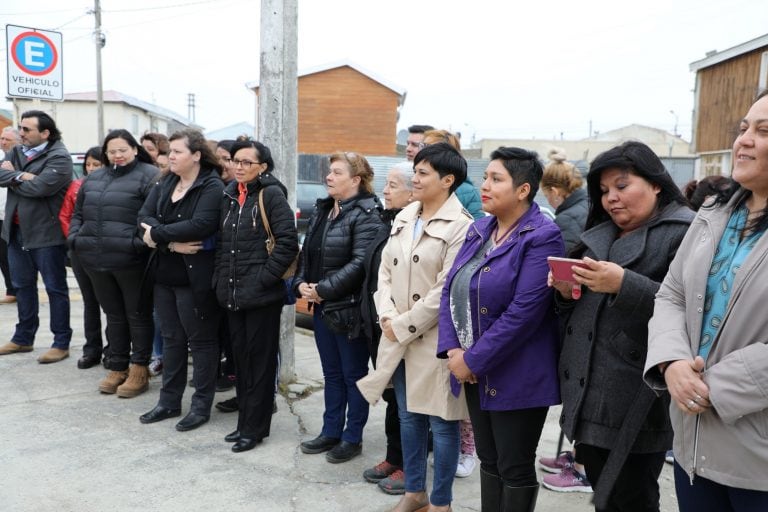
{"type": "Point", "coordinates": [128, 309]}
{"type": "Point", "coordinates": [183, 331]}
{"type": "Point", "coordinates": [225, 347]}
{"type": "Point", "coordinates": [636, 488]}
{"type": "Point", "coordinates": [392, 429]}
{"type": "Point", "coordinates": [94, 344]}
{"type": "Point", "coordinates": [506, 441]}
{"type": "Point", "coordinates": [255, 345]}
{"type": "Point", "coordinates": [4, 267]}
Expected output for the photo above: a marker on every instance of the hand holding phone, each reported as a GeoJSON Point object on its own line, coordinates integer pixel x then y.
{"type": "Point", "coordinates": [562, 270]}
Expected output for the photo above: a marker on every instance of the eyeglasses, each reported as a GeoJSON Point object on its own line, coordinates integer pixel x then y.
{"type": "Point", "coordinates": [246, 164]}
{"type": "Point", "coordinates": [226, 161]}
{"type": "Point", "coordinates": [414, 144]}
{"type": "Point", "coordinates": [26, 129]}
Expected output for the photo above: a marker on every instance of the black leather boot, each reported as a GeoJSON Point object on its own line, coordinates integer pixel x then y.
{"type": "Point", "coordinates": [519, 499]}
{"type": "Point", "coordinates": [490, 492]}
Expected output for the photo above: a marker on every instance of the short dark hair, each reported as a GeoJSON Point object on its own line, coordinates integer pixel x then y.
{"type": "Point", "coordinates": [637, 158]}
{"type": "Point", "coordinates": [444, 159]}
{"type": "Point", "coordinates": [225, 144]}
{"type": "Point", "coordinates": [420, 128]}
{"type": "Point", "coordinates": [195, 141]}
{"type": "Point", "coordinates": [523, 166]}
{"type": "Point", "coordinates": [141, 153]}
{"type": "Point", "coordinates": [265, 155]}
{"type": "Point", "coordinates": [44, 122]}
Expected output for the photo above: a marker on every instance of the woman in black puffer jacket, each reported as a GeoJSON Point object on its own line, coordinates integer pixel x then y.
{"type": "Point", "coordinates": [104, 235]}
{"type": "Point", "coordinates": [180, 219]}
{"type": "Point", "coordinates": [249, 284]}
{"type": "Point", "coordinates": [331, 276]}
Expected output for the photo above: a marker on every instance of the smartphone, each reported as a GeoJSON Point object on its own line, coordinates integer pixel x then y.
{"type": "Point", "coordinates": [561, 268]}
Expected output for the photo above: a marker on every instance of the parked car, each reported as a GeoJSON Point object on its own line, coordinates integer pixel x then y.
{"type": "Point", "coordinates": [307, 193]}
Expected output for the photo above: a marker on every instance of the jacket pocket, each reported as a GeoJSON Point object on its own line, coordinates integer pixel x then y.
{"type": "Point", "coordinates": [630, 351]}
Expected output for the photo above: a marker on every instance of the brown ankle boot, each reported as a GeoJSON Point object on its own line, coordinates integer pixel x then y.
{"type": "Point", "coordinates": [113, 379]}
{"type": "Point", "coordinates": [137, 382]}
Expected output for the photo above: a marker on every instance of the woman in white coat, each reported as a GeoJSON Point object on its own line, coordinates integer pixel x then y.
{"type": "Point", "coordinates": [424, 240]}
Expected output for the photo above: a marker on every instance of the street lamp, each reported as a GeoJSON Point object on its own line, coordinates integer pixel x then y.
{"type": "Point", "coordinates": [676, 121]}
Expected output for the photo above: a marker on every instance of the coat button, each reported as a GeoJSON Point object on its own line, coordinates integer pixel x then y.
{"type": "Point", "coordinates": [569, 330]}
{"type": "Point", "coordinates": [567, 374]}
{"type": "Point", "coordinates": [394, 262]}
{"type": "Point", "coordinates": [589, 336]}
{"type": "Point", "coordinates": [581, 382]}
{"type": "Point", "coordinates": [483, 311]}
{"type": "Point", "coordinates": [634, 355]}
{"type": "Point", "coordinates": [415, 258]}
{"type": "Point", "coordinates": [493, 392]}
{"type": "Point", "coordinates": [486, 269]}
{"type": "Point", "coordinates": [416, 297]}
{"type": "Point", "coordinates": [562, 419]}
{"type": "Point", "coordinates": [411, 328]}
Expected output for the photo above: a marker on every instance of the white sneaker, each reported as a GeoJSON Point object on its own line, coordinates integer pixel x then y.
{"type": "Point", "coordinates": [466, 465]}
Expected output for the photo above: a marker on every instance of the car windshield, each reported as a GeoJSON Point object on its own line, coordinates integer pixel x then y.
{"type": "Point", "coordinates": [310, 192]}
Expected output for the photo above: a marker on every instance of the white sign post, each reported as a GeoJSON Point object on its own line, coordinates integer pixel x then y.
{"type": "Point", "coordinates": [35, 67]}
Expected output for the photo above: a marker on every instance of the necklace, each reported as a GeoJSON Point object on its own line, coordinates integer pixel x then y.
{"type": "Point", "coordinates": [181, 188]}
{"type": "Point", "coordinates": [498, 239]}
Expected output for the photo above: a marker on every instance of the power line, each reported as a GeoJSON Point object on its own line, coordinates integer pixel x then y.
{"type": "Point", "coordinates": [156, 8]}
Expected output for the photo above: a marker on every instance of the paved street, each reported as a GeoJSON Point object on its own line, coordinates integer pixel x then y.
{"type": "Point", "coordinates": [65, 447]}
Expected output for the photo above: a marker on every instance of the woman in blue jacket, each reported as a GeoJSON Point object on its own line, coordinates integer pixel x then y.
{"type": "Point", "coordinates": [498, 328]}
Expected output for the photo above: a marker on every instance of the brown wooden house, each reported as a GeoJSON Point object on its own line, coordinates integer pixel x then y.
{"type": "Point", "coordinates": [726, 85]}
{"type": "Point", "coordinates": [344, 107]}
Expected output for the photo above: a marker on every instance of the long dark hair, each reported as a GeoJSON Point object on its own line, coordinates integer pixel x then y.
{"type": "Point", "coordinates": [141, 153]}
{"type": "Point", "coordinates": [639, 159]}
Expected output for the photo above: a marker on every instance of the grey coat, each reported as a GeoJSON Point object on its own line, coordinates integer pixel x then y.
{"type": "Point", "coordinates": [37, 201]}
{"type": "Point", "coordinates": [571, 216]}
{"type": "Point", "coordinates": [728, 444]}
{"type": "Point", "coordinates": [605, 401]}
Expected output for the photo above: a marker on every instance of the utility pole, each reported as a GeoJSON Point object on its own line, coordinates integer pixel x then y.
{"type": "Point", "coordinates": [278, 125]}
{"type": "Point", "coordinates": [191, 106]}
{"type": "Point", "coordinates": [100, 40]}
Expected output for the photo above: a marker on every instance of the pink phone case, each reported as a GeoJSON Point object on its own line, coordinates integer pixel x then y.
{"type": "Point", "coordinates": [561, 268]}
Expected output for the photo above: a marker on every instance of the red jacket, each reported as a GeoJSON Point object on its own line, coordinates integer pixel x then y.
{"type": "Point", "coordinates": [68, 206]}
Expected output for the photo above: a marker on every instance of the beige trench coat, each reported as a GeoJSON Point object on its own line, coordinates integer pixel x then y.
{"type": "Point", "coordinates": [411, 279]}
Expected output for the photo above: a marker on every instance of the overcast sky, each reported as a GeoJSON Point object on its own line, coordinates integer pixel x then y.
{"type": "Point", "coordinates": [495, 68]}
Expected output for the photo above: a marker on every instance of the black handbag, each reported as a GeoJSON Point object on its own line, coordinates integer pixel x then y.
{"type": "Point", "coordinates": [343, 316]}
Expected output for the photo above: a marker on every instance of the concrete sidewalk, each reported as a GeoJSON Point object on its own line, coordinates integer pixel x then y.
{"type": "Point", "coordinates": [66, 447]}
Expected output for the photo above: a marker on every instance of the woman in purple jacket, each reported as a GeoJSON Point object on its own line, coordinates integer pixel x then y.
{"type": "Point", "coordinates": [499, 331]}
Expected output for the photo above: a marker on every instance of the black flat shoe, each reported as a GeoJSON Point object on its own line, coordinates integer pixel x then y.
{"type": "Point", "coordinates": [86, 362]}
{"type": "Point", "coordinates": [230, 405]}
{"type": "Point", "coordinates": [244, 444]}
{"type": "Point", "coordinates": [343, 452]}
{"type": "Point", "coordinates": [232, 437]}
{"type": "Point", "coordinates": [191, 421]}
{"type": "Point", "coordinates": [159, 414]}
{"type": "Point", "coordinates": [319, 444]}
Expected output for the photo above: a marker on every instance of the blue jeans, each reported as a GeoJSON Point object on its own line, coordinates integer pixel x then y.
{"type": "Point", "coordinates": [25, 264]}
{"type": "Point", "coordinates": [705, 495]}
{"type": "Point", "coordinates": [344, 362]}
{"type": "Point", "coordinates": [414, 431]}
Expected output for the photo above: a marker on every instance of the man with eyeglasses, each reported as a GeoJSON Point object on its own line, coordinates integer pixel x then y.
{"type": "Point", "coordinates": [9, 137]}
{"type": "Point", "coordinates": [37, 174]}
{"type": "Point", "coordinates": [415, 140]}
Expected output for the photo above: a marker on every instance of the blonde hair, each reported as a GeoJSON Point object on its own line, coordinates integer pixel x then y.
{"type": "Point", "coordinates": [559, 173]}
{"type": "Point", "coordinates": [435, 136]}
{"type": "Point", "coordinates": [358, 166]}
